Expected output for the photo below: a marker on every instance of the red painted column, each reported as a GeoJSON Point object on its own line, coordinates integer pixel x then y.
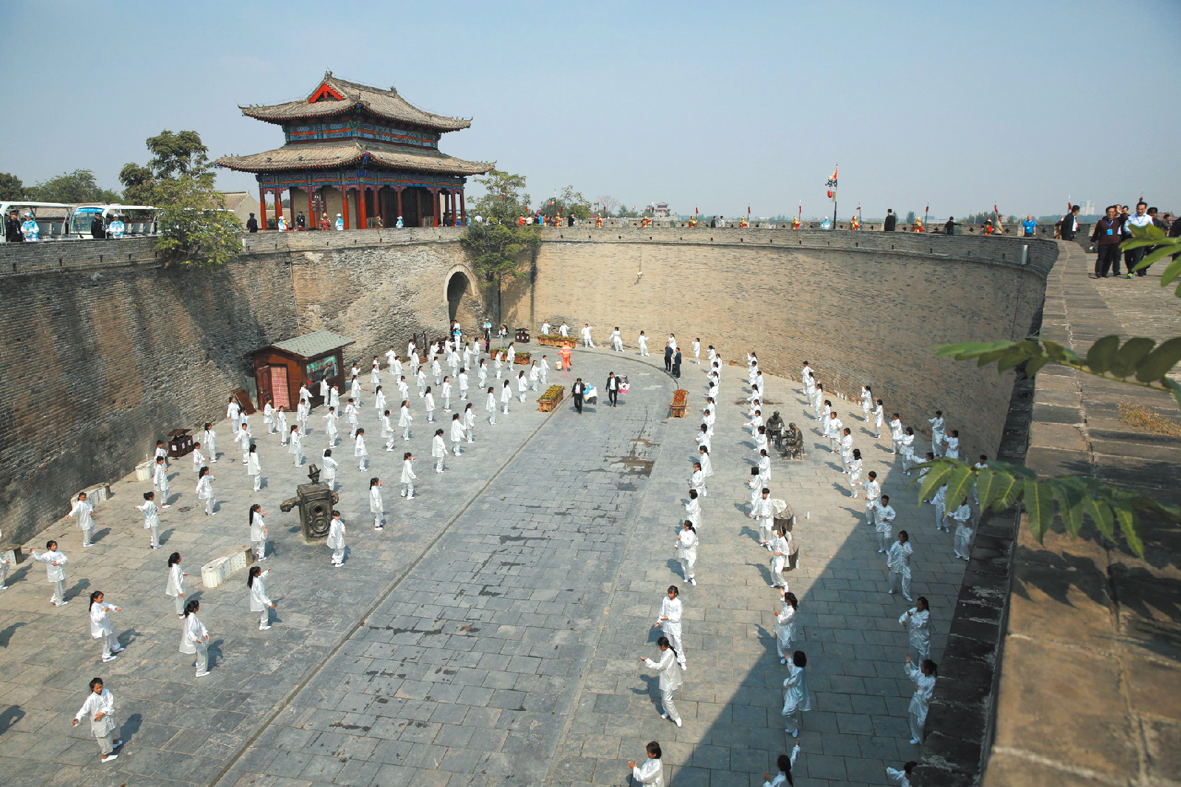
{"type": "Point", "coordinates": [462, 208]}
{"type": "Point", "coordinates": [278, 204]}
{"type": "Point", "coordinates": [435, 205]}
{"type": "Point", "coordinates": [399, 191]}
{"type": "Point", "coordinates": [311, 209]}
{"type": "Point", "coordinates": [361, 223]}
{"type": "Point", "coordinates": [344, 201]}
{"type": "Point", "coordinates": [262, 207]}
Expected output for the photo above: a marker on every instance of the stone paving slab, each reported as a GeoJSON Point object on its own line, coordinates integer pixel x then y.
{"type": "Point", "coordinates": [491, 632]}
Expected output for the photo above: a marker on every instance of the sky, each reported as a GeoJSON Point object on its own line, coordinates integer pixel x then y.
{"type": "Point", "coordinates": [709, 106]}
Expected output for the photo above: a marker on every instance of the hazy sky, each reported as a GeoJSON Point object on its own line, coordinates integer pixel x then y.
{"type": "Point", "coordinates": [710, 105]}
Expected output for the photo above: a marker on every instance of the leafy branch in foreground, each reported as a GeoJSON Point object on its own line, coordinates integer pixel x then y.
{"type": "Point", "coordinates": [1072, 499]}
{"type": "Point", "coordinates": [1138, 361]}
{"type": "Point", "coordinates": [1161, 247]}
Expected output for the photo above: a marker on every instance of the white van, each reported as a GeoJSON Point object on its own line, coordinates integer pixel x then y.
{"type": "Point", "coordinates": [52, 218]}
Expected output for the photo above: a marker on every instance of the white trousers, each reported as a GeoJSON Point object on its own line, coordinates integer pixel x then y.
{"type": "Point", "coordinates": [673, 632]}
{"type": "Point", "coordinates": [670, 707]}
{"type": "Point", "coordinates": [904, 578]}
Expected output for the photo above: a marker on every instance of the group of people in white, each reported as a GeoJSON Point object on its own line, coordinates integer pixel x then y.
{"type": "Point", "coordinates": [449, 393]}
{"type": "Point", "coordinates": [464, 359]}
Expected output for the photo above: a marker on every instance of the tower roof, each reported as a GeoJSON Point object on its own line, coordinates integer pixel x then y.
{"type": "Point", "coordinates": [330, 155]}
{"type": "Point", "coordinates": [334, 96]}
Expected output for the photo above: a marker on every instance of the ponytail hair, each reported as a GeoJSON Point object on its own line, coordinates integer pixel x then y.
{"type": "Point", "coordinates": [173, 559]}
{"type": "Point", "coordinates": [251, 574]}
{"type": "Point", "coordinates": [192, 606]}
{"type": "Point", "coordinates": [94, 597]}
{"type": "Point", "coordinates": [664, 642]}
{"type": "Point", "coordinates": [250, 514]}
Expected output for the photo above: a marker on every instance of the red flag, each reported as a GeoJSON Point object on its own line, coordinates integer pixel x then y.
{"type": "Point", "coordinates": [995, 209]}
{"type": "Point", "coordinates": [696, 211]}
{"type": "Point", "coordinates": [835, 170]}
{"type": "Point", "coordinates": [748, 210]}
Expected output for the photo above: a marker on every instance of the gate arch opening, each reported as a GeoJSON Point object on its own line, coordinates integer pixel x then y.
{"type": "Point", "coordinates": [458, 286]}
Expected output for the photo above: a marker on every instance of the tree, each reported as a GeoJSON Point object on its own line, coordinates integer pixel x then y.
{"type": "Point", "coordinates": [565, 202]}
{"type": "Point", "coordinates": [608, 204]}
{"type": "Point", "coordinates": [137, 183]}
{"type": "Point", "coordinates": [499, 250]}
{"type": "Point", "coordinates": [73, 187]}
{"type": "Point", "coordinates": [11, 187]}
{"type": "Point", "coordinates": [180, 153]}
{"type": "Point", "coordinates": [195, 228]}
{"type": "Point", "coordinates": [909, 217]}
{"type": "Point", "coordinates": [1072, 499]}
{"type": "Point", "coordinates": [505, 198]}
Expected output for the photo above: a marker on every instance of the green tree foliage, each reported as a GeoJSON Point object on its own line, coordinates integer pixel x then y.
{"type": "Point", "coordinates": [505, 198]}
{"type": "Point", "coordinates": [72, 188]}
{"type": "Point", "coordinates": [565, 202]}
{"type": "Point", "coordinates": [909, 217]}
{"type": "Point", "coordinates": [11, 186]}
{"type": "Point", "coordinates": [1071, 499]}
{"type": "Point", "coordinates": [499, 250]}
{"type": "Point", "coordinates": [194, 227]}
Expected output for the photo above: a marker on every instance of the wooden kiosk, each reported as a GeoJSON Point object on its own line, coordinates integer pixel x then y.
{"type": "Point", "coordinates": [281, 368]}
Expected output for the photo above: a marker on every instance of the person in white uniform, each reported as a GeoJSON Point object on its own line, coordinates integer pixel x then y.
{"type": "Point", "coordinates": [198, 457]}
{"type": "Point", "coordinates": [873, 491]}
{"type": "Point", "coordinates": [924, 678]}
{"type": "Point", "coordinates": [101, 628]}
{"type": "Point", "coordinates": [205, 490]}
{"type": "Point", "coordinates": [457, 433]}
{"type": "Point", "coordinates": [295, 447]}
{"type": "Point", "coordinates": [780, 547]}
{"type": "Point", "coordinates": [651, 771]}
{"type": "Point", "coordinates": [669, 621]}
{"type": "Point", "coordinates": [522, 386]}
{"type": "Point", "coordinates": [81, 513]}
{"type": "Point", "coordinates": [762, 513]}
{"type": "Point", "coordinates": [506, 396]}
{"type": "Point", "coordinates": [917, 622]}
{"type": "Point", "coordinates": [616, 340]}
{"type": "Point", "coordinates": [490, 406]}
{"type": "Point", "coordinates": [408, 476]}
{"type": "Point", "coordinates": [329, 465]}
{"type": "Point", "coordinates": [693, 509]}
{"type": "Point", "coordinates": [256, 521]}
{"type": "Point", "coordinates": [854, 470]}
{"type": "Point", "coordinates": [194, 638]}
{"type": "Point", "coordinates": [360, 452]}
{"type": "Point", "coordinates": [259, 601]}
{"type": "Point", "coordinates": [160, 479]}
{"type": "Point", "coordinates": [896, 429]}
{"type": "Point", "coordinates": [54, 561]}
{"type": "Point", "coordinates": [785, 762]}
{"type": "Point", "coordinates": [281, 425]}
{"type": "Point", "coordinates": [962, 542]}
{"type": "Point", "coordinates": [670, 678]}
{"type": "Point", "coordinates": [428, 404]}
{"type": "Point", "coordinates": [335, 542]}
{"type": "Point", "coordinates": [785, 624]}
{"type": "Point", "coordinates": [898, 564]}
{"type": "Point", "coordinates": [151, 514]}
{"type": "Point", "coordinates": [175, 584]}
{"type": "Point", "coordinates": [587, 341]}
{"type": "Point", "coordinates": [687, 550]}
{"type": "Point", "coordinates": [642, 341]}
{"type": "Point", "coordinates": [376, 504]}
{"type": "Point", "coordinates": [438, 450]}
{"type": "Point", "coordinates": [901, 776]}
{"type": "Point", "coordinates": [796, 698]}
{"type": "Point", "coordinates": [936, 423]}
{"type": "Point", "coordinates": [233, 412]}
{"type": "Point", "coordinates": [469, 422]}
{"type": "Point", "coordinates": [100, 707]}
{"type": "Point", "coordinates": [884, 515]}
{"type": "Point", "coordinates": [952, 444]}
{"type": "Point", "coordinates": [254, 467]}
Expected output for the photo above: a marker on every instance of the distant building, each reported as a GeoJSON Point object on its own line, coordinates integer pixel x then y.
{"type": "Point", "coordinates": [241, 204]}
{"type": "Point", "coordinates": [361, 152]}
{"type": "Point", "coordinates": [658, 209]}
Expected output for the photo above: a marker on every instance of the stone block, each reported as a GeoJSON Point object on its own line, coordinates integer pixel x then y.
{"type": "Point", "coordinates": [216, 571]}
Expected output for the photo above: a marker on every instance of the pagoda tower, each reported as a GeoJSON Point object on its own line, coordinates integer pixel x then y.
{"type": "Point", "coordinates": [361, 153]}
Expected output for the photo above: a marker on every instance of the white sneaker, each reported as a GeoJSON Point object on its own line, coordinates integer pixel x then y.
{"type": "Point", "coordinates": [61, 603]}
{"type": "Point", "coordinates": [678, 721]}
{"type": "Point", "coordinates": [202, 674]}
{"type": "Point", "coordinates": [915, 741]}
{"type": "Point", "coordinates": [109, 659]}
{"type": "Point", "coordinates": [110, 757]}
{"type": "Point", "coordinates": [664, 716]}
{"type": "Point", "coordinates": [263, 628]}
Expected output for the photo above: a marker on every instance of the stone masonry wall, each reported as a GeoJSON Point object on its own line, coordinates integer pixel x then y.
{"type": "Point", "coordinates": [862, 307]}
{"type": "Point", "coordinates": [106, 349]}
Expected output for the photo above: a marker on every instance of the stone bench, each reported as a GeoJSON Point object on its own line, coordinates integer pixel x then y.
{"type": "Point", "coordinates": [218, 570]}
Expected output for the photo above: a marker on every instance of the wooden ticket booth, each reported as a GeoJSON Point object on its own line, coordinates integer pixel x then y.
{"type": "Point", "coordinates": [281, 368]}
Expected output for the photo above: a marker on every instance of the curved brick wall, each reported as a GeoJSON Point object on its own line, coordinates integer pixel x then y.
{"type": "Point", "coordinates": [105, 349]}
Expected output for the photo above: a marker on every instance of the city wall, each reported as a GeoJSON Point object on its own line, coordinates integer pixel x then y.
{"type": "Point", "coordinates": [107, 348]}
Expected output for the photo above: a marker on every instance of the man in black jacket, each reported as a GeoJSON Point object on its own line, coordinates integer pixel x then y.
{"type": "Point", "coordinates": [577, 390]}
{"type": "Point", "coordinates": [97, 229]}
{"type": "Point", "coordinates": [668, 358]}
{"type": "Point", "coordinates": [252, 224]}
{"type": "Point", "coordinates": [612, 389]}
{"type": "Point", "coordinates": [891, 221]}
{"type": "Point", "coordinates": [12, 227]}
{"type": "Point", "coordinates": [1069, 224]}
{"type": "Point", "coordinates": [949, 227]}
{"type": "Point", "coordinates": [1106, 237]}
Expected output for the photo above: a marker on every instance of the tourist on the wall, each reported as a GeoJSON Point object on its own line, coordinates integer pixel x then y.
{"type": "Point", "coordinates": [12, 227]}
{"type": "Point", "coordinates": [949, 227]}
{"type": "Point", "coordinates": [252, 224]}
{"type": "Point", "coordinates": [98, 230]}
{"type": "Point", "coordinates": [891, 221]}
{"type": "Point", "coordinates": [1106, 237]}
{"type": "Point", "coordinates": [1139, 219]}
{"type": "Point", "coordinates": [1028, 227]}
{"type": "Point", "coordinates": [339, 223]}
{"type": "Point", "coordinates": [1069, 224]}
{"type": "Point", "coordinates": [301, 222]}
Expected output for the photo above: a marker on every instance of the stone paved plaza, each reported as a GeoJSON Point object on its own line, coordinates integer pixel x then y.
{"type": "Point", "coordinates": [491, 633]}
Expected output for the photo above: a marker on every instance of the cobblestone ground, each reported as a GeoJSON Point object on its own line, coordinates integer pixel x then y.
{"type": "Point", "coordinates": [491, 633]}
